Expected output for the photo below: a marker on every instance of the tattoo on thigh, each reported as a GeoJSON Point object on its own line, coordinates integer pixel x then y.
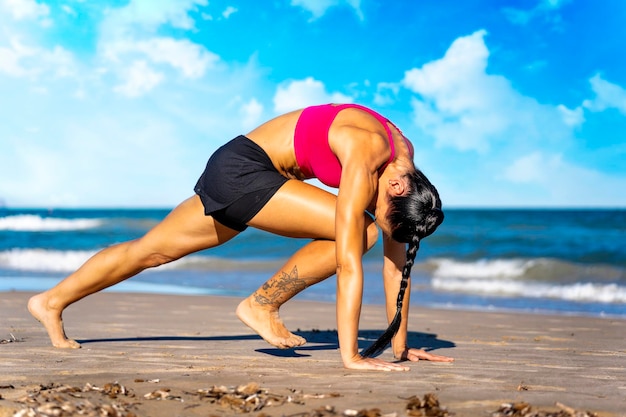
{"type": "Point", "coordinates": [284, 284]}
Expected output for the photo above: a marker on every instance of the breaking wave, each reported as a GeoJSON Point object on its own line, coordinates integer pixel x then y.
{"type": "Point", "coordinates": [35, 223]}
{"type": "Point", "coordinates": [55, 261]}
{"type": "Point", "coordinates": [535, 278]}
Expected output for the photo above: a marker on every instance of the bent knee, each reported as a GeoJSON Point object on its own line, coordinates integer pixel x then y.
{"type": "Point", "coordinates": [157, 259]}
{"type": "Point", "coordinates": [149, 258]}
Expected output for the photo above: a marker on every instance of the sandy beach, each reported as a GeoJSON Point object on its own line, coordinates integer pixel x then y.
{"type": "Point", "coordinates": [162, 355]}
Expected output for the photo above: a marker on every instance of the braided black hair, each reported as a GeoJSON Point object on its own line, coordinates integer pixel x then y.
{"type": "Point", "coordinates": [413, 217]}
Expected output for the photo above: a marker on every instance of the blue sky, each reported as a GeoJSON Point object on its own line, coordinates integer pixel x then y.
{"type": "Point", "coordinates": [120, 103]}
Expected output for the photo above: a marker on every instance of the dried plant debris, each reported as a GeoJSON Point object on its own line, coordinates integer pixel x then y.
{"type": "Point", "coordinates": [525, 410]}
{"type": "Point", "coordinates": [373, 412]}
{"type": "Point", "coordinates": [325, 411]}
{"type": "Point", "coordinates": [245, 398]}
{"type": "Point", "coordinates": [162, 394]}
{"type": "Point", "coordinates": [330, 411]}
{"type": "Point", "coordinates": [427, 407]}
{"type": "Point", "coordinates": [55, 400]}
{"type": "Point", "coordinates": [115, 400]}
{"type": "Point", "coordinates": [12, 339]}
{"type": "Point", "coordinates": [151, 381]}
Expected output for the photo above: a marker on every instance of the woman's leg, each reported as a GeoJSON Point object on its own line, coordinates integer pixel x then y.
{"type": "Point", "coordinates": [296, 210]}
{"type": "Point", "coordinates": [185, 230]}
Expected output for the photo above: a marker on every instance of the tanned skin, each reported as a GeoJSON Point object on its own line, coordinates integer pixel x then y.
{"type": "Point", "coordinates": [338, 225]}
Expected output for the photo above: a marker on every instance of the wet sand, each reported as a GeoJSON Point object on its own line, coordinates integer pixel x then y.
{"type": "Point", "coordinates": [161, 355]}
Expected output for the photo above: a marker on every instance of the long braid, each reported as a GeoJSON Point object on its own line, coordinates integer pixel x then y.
{"type": "Point", "coordinates": [412, 216]}
{"type": "Point", "coordinates": [379, 345]}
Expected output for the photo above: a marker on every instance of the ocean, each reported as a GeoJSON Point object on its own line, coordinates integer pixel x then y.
{"type": "Point", "coordinates": [556, 261]}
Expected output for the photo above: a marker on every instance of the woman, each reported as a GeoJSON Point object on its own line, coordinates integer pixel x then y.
{"type": "Point", "coordinates": [256, 180]}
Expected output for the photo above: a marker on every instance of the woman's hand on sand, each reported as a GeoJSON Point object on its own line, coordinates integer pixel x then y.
{"type": "Point", "coordinates": [414, 355]}
{"type": "Point", "coordinates": [374, 364]}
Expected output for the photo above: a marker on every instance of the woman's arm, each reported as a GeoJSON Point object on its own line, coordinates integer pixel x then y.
{"type": "Point", "coordinates": [360, 157]}
{"type": "Point", "coordinates": [394, 260]}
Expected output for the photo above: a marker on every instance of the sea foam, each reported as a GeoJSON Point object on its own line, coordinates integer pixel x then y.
{"type": "Point", "coordinates": [34, 223]}
{"type": "Point", "coordinates": [520, 278]}
{"type": "Point", "coordinates": [43, 260]}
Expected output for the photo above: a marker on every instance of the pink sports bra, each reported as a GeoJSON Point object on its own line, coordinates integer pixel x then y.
{"type": "Point", "coordinates": [313, 153]}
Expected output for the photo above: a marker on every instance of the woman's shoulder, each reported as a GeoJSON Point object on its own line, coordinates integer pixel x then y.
{"type": "Point", "coordinates": [361, 143]}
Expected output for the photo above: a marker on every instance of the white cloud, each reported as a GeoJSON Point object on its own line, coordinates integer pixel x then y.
{"type": "Point", "coordinates": [462, 106]}
{"type": "Point", "coordinates": [319, 7]}
{"type": "Point", "coordinates": [297, 94]}
{"type": "Point", "coordinates": [126, 46]}
{"type": "Point", "coordinates": [386, 93]}
{"type": "Point", "coordinates": [251, 111]}
{"type": "Point", "coordinates": [139, 79]}
{"type": "Point", "coordinates": [10, 58]}
{"type": "Point", "coordinates": [75, 158]}
{"type": "Point", "coordinates": [20, 60]}
{"type": "Point", "coordinates": [554, 4]}
{"type": "Point", "coordinates": [61, 135]}
{"type": "Point", "coordinates": [558, 182]}
{"type": "Point", "coordinates": [572, 118]}
{"type": "Point", "coordinates": [148, 15]}
{"type": "Point", "coordinates": [25, 9]}
{"type": "Point", "coordinates": [128, 42]}
{"type": "Point", "coordinates": [544, 8]}
{"type": "Point", "coordinates": [146, 152]}
{"type": "Point", "coordinates": [69, 10]}
{"type": "Point", "coordinates": [608, 95]}
{"type": "Point", "coordinates": [532, 168]}
{"type": "Point", "coordinates": [229, 11]}
{"type": "Point", "coordinates": [191, 59]}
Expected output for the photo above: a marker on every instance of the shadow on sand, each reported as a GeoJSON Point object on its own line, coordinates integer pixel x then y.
{"type": "Point", "coordinates": [316, 340]}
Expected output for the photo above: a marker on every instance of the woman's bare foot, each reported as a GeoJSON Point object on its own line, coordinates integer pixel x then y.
{"type": "Point", "coordinates": [267, 324]}
{"type": "Point", "coordinates": [51, 320]}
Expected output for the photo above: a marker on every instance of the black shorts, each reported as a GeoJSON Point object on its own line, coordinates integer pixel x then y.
{"type": "Point", "coordinates": [238, 181]}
